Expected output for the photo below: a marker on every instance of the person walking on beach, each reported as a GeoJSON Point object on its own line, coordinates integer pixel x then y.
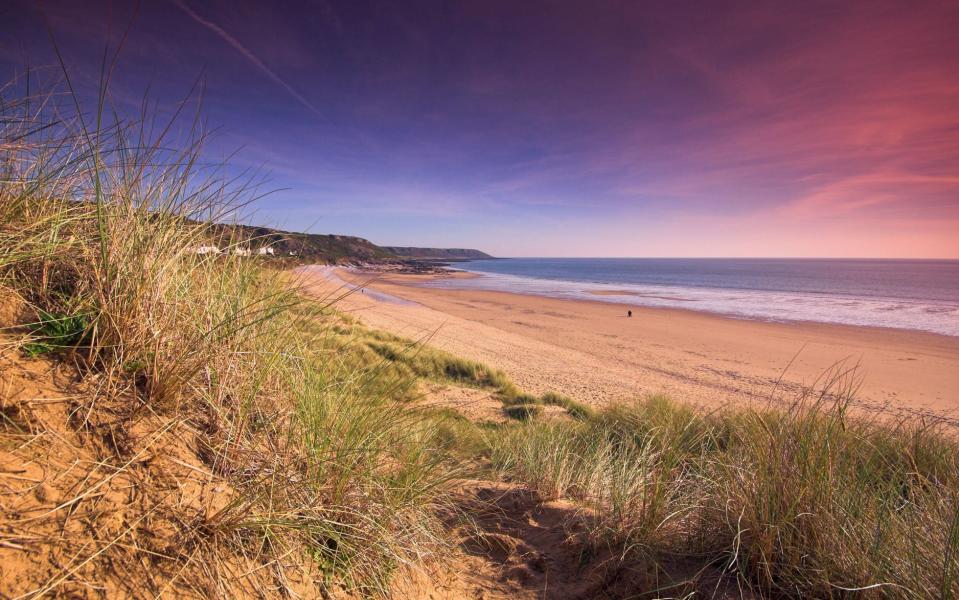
{"type": "Point", "coordinates": [629, 313]}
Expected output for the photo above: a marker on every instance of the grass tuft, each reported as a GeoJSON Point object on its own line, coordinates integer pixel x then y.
{"type": "Point", "coordinates": [806, 501]}
{"type": "Point", "coordinates": [522, 412]}
{"type": "Point", "coordinates": [575, 409]}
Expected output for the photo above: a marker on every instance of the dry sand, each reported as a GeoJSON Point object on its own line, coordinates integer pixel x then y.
{"type": "Point", "coordinates": [594, 353]}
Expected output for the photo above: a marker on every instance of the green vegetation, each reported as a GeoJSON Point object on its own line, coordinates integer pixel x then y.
{"type": "Point", "coordinates": [577, 410]}
{"type": "Point", "coordinates": [98, 238]}
{"type": "Point", "coordinates": [403, 362]}
{"type": "Point", "coordinates": [804, 501]}
{"type": "Point", "coordinates": [522, 412]}
{"type": "Point", "coordinates": [56, 331]}
{"type": "Point", "coordinates": [794, 500]}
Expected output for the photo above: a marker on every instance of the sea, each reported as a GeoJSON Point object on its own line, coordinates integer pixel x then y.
{"type": "Point", "coordinates": [921, 295]}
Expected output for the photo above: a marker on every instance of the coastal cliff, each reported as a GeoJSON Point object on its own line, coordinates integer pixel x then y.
{"type": "Point", "coordinates": [332, 248]}
{"type": "Point", "coordinates": [437, 253]}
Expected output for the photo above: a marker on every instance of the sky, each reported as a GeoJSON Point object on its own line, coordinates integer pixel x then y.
{"type": "Point", "coordinates": [555, 128]}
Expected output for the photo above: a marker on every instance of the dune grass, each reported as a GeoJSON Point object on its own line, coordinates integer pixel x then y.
{"type": "Point", "coordinates": [801, 497]}
{"type": "Point", "coordinates": [802, 501]}
{"type": "Point", "coordinates": [405, 361]}
{"type": "Point", "coordinates": [98, 236]}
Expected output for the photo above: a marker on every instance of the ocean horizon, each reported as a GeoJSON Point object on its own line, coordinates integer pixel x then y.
{"type": "Point", "coordinates": [912, 294]}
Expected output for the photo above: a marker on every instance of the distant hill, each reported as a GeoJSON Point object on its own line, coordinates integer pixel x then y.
{"type": "Point", "coordinates": [307, 246]}
{"type": "Point", "coordinates": [332, 248]}
{"type": "Point", "coordinates": [436, 253]}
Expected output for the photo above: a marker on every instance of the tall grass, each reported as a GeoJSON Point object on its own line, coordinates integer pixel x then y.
{"type": "Point", "coordinates": [99, 230]}
{"type": "Point", "coordinates": [809, 501]}
{"type": "Point", "coordinates": [376, 476]}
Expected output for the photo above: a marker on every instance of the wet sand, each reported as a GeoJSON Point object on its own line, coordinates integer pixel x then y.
{"type": "Point", "coordinates": [594, 353]}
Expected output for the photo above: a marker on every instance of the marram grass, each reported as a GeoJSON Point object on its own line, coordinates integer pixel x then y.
{"type": "Point", "coordinates": [803, 500]}
{"type": "Point", "coordinates": [99, 232]}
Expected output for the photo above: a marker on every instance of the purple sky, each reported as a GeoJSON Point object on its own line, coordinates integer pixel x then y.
{"type": "Point", "coordinates": [559, 128]}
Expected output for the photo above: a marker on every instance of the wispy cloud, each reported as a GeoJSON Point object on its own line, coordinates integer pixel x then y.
{"type": "Point", "coordinates": [250, 56]}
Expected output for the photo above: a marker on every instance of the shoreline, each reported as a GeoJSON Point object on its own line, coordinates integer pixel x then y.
{"type": "Point", "coordinates": [904, 314]}
{"type": "Point", "coordinates": [412, 279]}
{"type": "Point", "coordinates": [589, 350]}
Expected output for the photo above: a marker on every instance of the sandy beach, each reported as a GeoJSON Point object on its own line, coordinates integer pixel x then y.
{"type": "Point", "coordinates": [594, 353]}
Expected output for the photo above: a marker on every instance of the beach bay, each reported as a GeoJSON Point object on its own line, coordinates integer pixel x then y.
{"type": "Point", "coordinates": [592, 351]}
